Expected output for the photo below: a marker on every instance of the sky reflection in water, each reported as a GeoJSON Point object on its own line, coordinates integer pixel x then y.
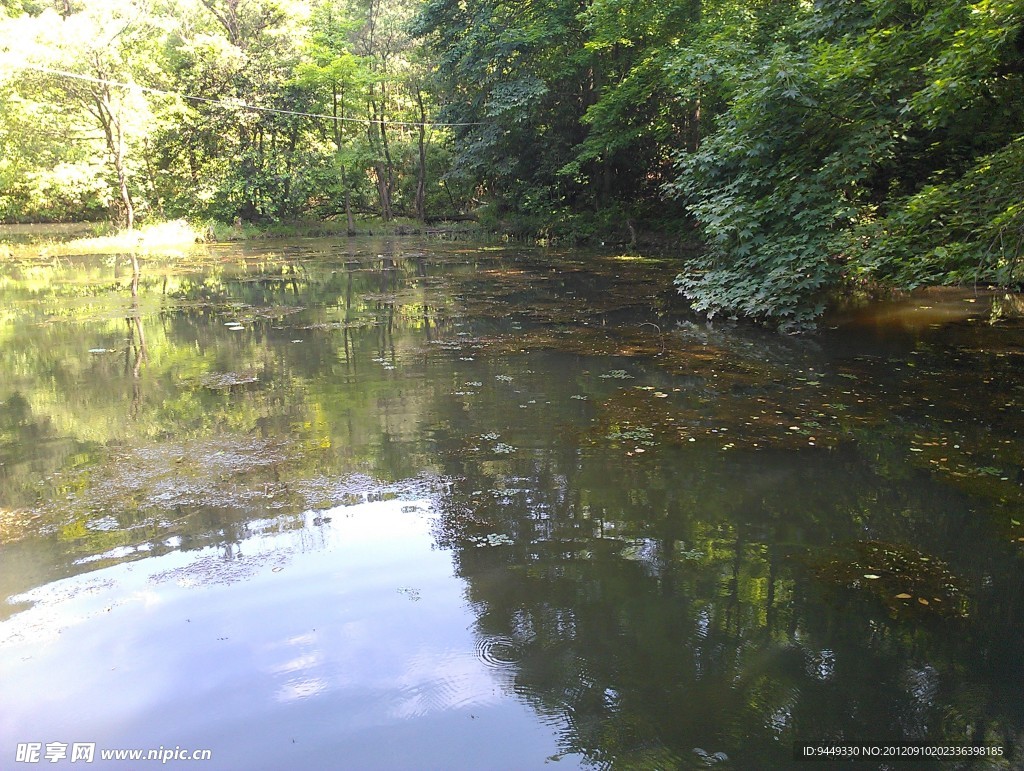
{"type": "Point", "coordinates": [346, 643]}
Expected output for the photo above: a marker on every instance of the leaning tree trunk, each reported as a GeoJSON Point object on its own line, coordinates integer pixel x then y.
{"type": "Point", "coordinates": [114, 136]}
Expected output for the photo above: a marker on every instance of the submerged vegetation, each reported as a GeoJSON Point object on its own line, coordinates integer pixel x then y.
{"type": "Point", "coordinates": [776, 149]}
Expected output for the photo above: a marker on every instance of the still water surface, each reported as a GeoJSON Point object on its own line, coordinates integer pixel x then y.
{"type": "Point", "coordinates": [412, 505]}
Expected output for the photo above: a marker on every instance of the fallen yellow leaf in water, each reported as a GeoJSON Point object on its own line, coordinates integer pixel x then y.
{"type": "Point", "coordinates": [903, 596]}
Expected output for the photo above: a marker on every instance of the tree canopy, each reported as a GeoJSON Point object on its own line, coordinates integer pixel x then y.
{"type": "Point", "coordinates": [258, 110]}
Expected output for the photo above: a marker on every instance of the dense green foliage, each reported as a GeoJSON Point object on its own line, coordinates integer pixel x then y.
{"type": "Point", "coordinates": [879, 140]}
{"type": "Point", "coordinates": [798, 143]}
{"type": "Point", "coordinates": [572, 115]}
{"type": "Point", "coordinates": [257, 110]}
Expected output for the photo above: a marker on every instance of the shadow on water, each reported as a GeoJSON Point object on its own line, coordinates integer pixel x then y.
{"type": "Point", "coordinates": [373, 494]}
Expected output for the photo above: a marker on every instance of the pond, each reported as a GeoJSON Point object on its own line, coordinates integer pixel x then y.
{"type": "Point", "coordinates": [394, 504]}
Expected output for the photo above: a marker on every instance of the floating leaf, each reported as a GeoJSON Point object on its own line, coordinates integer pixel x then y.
{"type": "Point", "coordinates": [904, 596]}
{"type": "Point", "coordinates": [491, 539]}
{"type": "Point", "coordinates": [872, 576]}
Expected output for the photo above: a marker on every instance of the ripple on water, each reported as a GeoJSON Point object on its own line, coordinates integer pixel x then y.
{"type": "Point", "coordinates": [436, 682]}
{"type": "Point", "coordinates": [498, 652]}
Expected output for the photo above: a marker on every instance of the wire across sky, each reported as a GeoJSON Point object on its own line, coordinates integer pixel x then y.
{"type": "Point", "coordinates": [237, 104]}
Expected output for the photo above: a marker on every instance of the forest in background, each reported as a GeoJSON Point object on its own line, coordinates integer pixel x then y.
{"type": "Point", "coordinates": [796, 144]}
{"type": "Point", "coordinates": [223, 110]}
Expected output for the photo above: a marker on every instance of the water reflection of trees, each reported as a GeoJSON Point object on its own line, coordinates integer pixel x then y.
{"type": "Point", "coordinates": [131, 431]}
{"type": "Point", "coordinates": [135, 347]}
{"type": "Point", "coordinates": [657, 609]}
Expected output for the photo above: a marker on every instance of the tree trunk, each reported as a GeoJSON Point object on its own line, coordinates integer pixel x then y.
{"type": "Point", "coordinates": [126, 198]}
{"type": "Point", "coordinates": [339, 139]}
{"type": "Point", "coordinates": [384, 170]}
{"type": "Point", "coordinates": [379, 168]}
{"type": "Point", "coordinates": [115, 146]}
{"type": "Point", "coordinates": [350, 222]}
{"type": "Point", "coordinates": [389, 165]}
{"type": "Point", "coordinates": [421, 177]}
{"type": "Point", "coordinates": [383, 192]}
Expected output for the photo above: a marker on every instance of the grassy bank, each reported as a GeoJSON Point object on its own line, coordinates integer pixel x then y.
{"type": "Point", "coordinates": [90, 238]}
